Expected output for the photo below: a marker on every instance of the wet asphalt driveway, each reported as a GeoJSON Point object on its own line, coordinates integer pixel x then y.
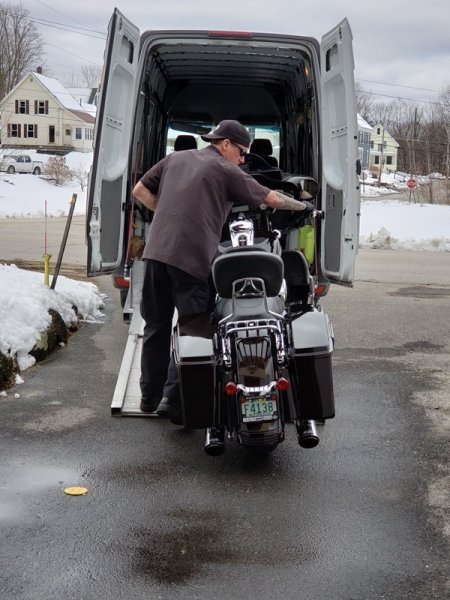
{"type": "Point", "coordinates": [363, 516]}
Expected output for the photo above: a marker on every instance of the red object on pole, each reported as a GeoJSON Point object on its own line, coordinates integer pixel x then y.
{"type": "Point", "coordinates": [411, 183]}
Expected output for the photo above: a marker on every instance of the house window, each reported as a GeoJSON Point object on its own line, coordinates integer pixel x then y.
{"type": "Point", "coordinates": [378, 130]}
{"type": "Point", "coordinates": [380, 147]}
{"type": "Point", "coordinates": [14, 130]}
{"type": "Point", "coordinates": [78, 133]}
{"type": "Point", "coordinates": [22, 107]}
{"type": "Point", "coordinates": [30, 131]}
{"type": "Point", "coordinates": [41, 107]}
{"type": "Point", "coordinates": [68, 131]}
{"type": "Point", "coordinates": [377, 160]}
{"type": "Point", "coordinates": [88, 134]}
{"type": "Point", "coordinates": [389, 160]}
{"type": "Point", "coordinates": [371, 144]}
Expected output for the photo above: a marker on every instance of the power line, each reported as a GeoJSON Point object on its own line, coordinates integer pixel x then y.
{"type": "Point", "coordinates": [72, 28]}
{"type": "Point", "coordinates": [73, 54]}
{"type": "Point", "coordinates": [435, 103]}
{"type": "Point", "coordinates": [399, 85]}
{"type": "Point", "coordinates": [58, 11]}
{"type": "Point", "coordinates": [62, 26]}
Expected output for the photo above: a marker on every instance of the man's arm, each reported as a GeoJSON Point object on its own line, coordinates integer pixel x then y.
{"type": "Point", "coordinates": [276, 199]}
{"type": "Point", "coordinates": [145, 196]}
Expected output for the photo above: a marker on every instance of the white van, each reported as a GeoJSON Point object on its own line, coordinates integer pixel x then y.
{"type": "Point", "coordinates": [293, 92]}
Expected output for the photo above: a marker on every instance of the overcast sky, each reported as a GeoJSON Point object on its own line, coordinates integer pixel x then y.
{"type": "Point", "coordinates": [396, 42]}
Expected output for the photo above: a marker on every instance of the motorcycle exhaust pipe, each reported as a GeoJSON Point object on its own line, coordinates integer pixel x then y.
{"type": "Point", "coordinates": [307, 434]}
{"type": "Point", "coordinates": [214, 441]}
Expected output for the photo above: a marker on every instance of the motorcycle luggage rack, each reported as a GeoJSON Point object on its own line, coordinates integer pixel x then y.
{"type": "Point", "coordinates": [233, 328]}
{"type": "Point", "coordinates": [253, 324]}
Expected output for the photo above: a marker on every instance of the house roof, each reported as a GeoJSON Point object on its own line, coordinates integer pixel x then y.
{"type": "Point", "coordinates": [363, 124]}
{"type": "Point", "coordinates": [87, 118]}
{"type": "Point", "coordinates": [85, 97]}
{"type": "Point", "coordinates": [83, 111]}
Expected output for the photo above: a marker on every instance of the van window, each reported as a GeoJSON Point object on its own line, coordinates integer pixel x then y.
{"type": "Point", "coordinates": [183, 140]}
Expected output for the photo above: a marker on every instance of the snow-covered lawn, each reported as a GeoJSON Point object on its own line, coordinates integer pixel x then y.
{"type": "Point", "coordinates": [399, 224]}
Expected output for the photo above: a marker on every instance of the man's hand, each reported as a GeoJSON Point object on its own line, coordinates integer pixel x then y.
{"type": "Point", "coordinates": [276, 199]}
{"type": "Point", "coordinates": [309, 207]}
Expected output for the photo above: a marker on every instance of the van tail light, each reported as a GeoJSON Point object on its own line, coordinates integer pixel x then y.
{"type": "Point", "coordinates": [230, 388]}
{"type": "Point", "coordinates": [283, 384]}
{"type": "Point", "coordinates": [321, 290]}
{"type": "Point", "coordinates": [230, 34]}
{"type": "Point", "coordinates": [121, 282]}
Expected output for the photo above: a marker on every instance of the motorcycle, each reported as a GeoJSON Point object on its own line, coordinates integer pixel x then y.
{"type": "Point", "coordinates": [264, 358]}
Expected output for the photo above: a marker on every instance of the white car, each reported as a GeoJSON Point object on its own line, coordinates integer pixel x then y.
{"type": "Point", "coordinates": [21, 164]}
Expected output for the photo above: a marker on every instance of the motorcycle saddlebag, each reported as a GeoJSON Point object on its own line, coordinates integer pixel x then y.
{"type": "Point", "coordinates": [313, 344]}
{"type": "Point", "coordinates": [197, 372]}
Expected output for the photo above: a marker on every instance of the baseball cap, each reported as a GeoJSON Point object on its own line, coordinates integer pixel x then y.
{"type": "Point", "coordinates": [231, 130]}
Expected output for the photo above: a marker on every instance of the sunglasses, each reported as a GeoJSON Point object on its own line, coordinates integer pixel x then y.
{"type": "Point", "coordinates": [242, 153]}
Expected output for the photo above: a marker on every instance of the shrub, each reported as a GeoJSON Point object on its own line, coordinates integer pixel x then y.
{"type": "Point", "coordinates": [57, 170]}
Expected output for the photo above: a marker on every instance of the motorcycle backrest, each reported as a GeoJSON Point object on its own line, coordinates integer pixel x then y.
{"type": "Point", "coordinates": [247, 262]}
{"type": "Point", "coordinates": [297, 276]}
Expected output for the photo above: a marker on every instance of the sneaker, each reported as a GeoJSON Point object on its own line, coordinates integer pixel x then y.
{"type": "Point", "coordinates": [168, 409]}
{"type": "Point", "coordinates": [149, 407]}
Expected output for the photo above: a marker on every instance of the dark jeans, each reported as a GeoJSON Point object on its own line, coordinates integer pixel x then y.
{"type": "Point", "coordinates": [164, 289]}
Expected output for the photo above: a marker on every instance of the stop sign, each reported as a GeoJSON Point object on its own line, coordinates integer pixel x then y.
{"type": "Point", "coordinates": [411, 184]}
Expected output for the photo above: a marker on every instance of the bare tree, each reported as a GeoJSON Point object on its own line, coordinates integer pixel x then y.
{"type": "Point", "coordinates": [442, 112]}
{"type": "Point", "coordinates": [73, 80]}
{"type": "Point", "coordinates": [80, 174]}
{"type": "Point", "coordinates": [406, 123]}
{"type": "Point", "coordinates": [20, 45]}
{"type": "Point", "coordinates": [364, 102]}
{"type": "Point", "coordinates": [91, 75]}
{"type": "Point", "coordinates": [88, 77]}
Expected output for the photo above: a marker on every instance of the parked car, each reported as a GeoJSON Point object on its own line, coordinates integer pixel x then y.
{"type": "Point", "coordinates": [21, 164]}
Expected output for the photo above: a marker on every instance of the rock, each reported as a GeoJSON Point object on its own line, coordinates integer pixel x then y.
{"type": "Point", "coordinates": [51, 338]}
{"type": "Point", "coordinates": [7, 370]}
{"type": "Point", "coordinates": [55, 336]}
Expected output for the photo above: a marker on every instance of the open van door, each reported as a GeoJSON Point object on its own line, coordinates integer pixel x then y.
{"type": "Point", "coordinates": [341, 165]}
{"type": "Point", "coordinates": [109, 171]}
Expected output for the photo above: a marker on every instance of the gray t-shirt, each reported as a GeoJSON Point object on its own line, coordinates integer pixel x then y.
{"type": "Point", "coordinates": [195, 190]}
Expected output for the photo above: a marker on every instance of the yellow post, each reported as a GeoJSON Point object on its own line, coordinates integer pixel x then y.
{"type": "Point", "coordinates": [47, 258]}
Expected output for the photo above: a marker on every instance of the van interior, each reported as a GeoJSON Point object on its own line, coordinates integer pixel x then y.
{"type": "Point", "coordinates": [189, 85]}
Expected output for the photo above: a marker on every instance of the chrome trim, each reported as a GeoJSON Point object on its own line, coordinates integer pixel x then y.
{"type": "Point", "coordinates": [241, 232]}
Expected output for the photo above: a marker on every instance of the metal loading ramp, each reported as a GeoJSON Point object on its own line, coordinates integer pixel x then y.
{"type": "Point", "coordinates": [127, 395]}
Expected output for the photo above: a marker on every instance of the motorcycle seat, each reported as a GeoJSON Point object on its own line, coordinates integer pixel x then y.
{"type": "Point", "coordinates": [247, 262]}
{"type": "Point", "coordinates": [249, 308]}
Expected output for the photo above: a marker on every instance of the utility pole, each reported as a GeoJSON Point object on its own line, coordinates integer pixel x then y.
{"type": "Point", "coordinates": [412, 157]}
{"type": "Point", "coordinates": [380, 170]}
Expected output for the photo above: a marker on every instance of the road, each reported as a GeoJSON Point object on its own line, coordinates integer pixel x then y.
{"type": "Point", "coordinates": [364, 516]}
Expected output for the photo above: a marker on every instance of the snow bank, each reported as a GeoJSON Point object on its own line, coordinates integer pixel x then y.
{"type": "Point", "coordinates": [24, 305]}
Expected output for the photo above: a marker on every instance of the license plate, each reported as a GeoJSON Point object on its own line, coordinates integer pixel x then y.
{"type": "Point", "coordinates": [259, 409]}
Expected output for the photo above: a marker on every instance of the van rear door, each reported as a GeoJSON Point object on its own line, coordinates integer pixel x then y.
{"type": "Point", "coordinates": [341, 166]}
{"type": "Point", "coordinates": [108, 177]}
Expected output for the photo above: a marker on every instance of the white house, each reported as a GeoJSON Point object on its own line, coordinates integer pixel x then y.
{"type": "Point", "coordinates": [40, 113]}
{"type": "Point", "coordinates": [364, 133]}
{"type": "Point", "coordinates": [383, 150]}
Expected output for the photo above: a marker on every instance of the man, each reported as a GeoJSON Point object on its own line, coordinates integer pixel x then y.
{"type": "Point", "coordinates": [191, 193]}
